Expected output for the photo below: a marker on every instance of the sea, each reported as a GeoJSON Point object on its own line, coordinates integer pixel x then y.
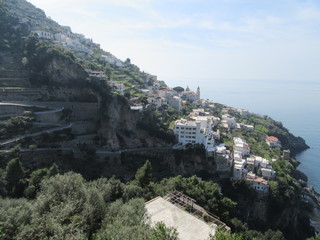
{"type": "Point", "coordinates": [295, 103]}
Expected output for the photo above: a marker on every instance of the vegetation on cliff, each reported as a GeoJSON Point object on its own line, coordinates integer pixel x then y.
{"type": "Point", "coordinates": [67, 206]}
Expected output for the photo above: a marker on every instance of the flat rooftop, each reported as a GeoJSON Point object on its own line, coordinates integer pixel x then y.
{"type": "Point", "coordinates": [188, 226]}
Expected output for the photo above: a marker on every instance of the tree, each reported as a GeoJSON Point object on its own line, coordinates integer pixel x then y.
{"type": "Point", "coordinates": [221, 235]}
{"type": "Point", "coordinates": [143, 100]}
{"type": "Point", "coordinates": [53, 170]}
{"type": "Point", "coordinates": [178, 89]}
{"type": "Point", "coordinates": [161, 232]}
{"type": "Point", "coordinates": [144, 174]}
{"type": "Point", "coordinates": [14, 177]}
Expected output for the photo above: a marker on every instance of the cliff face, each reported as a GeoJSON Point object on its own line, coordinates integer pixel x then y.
{"type": "Point", "coordinates": [119, 129]}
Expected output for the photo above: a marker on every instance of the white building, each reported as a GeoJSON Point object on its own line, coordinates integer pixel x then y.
{"type": "Point", "coordinates": [43, 34]}
{"type": "Point", "coordinates": [195, 132]}
{"type": "Point", "coordinates": [230, 120]}
{"type": "Point", "coordinates": [239, 170]}
{"type": "Point", "coordinates": [97, 74]}
{"type": "Point", "coordinates": [241, 146]}
{"type": "Point", "coordinates": [156, 100]}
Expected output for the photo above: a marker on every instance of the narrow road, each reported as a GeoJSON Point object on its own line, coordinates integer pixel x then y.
{"type": "Point", "coordinates": [52, 109]}
{"type": "Point", "coordinates": [51, 130]}
{"type": "Point", "coordinates": [98, 151]}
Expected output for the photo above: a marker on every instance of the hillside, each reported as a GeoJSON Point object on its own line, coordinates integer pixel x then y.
{"type": "Point", "coordinates": [66, 105]}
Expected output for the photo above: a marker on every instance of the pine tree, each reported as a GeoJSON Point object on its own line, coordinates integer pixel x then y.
{"type": "Point", "coordinates": [144, 174]}
{"type": "Point", "coordinates": [14, 177]}
{"type": "Point", "coordinates": [53, 170]}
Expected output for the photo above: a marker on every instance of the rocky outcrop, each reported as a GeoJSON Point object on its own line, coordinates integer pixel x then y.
{"type": "Point", "coordinates": [119, 127]}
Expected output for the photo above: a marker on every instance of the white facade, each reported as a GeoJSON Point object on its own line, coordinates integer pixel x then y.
{"type": "Point", "coordinates": [230, 120]}
{"type": "Point", "coordinates": [43, 34]}
{"type": "Point", "coordinates": [195, 132]}
{"type": "Point", "coordinates": [241, 146]}
{"type": "Point", "coordinates": [239, 171]}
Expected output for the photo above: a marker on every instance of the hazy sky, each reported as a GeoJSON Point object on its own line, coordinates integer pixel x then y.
{"type": "Point", "coordinates": [194, 39]}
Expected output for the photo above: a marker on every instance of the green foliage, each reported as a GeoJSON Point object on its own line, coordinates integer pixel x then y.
{"type": "Point", "coordinates": [161, 232]}
{"type": "Point", "coordinates": [144, 175]}
{"type": "Point", "coordinates": [315, 238]}
{"type": "Point", "coordinates": [178, 89]}
{"type": "Point", "coordinates": [2, 234]}
{"type": "Point", "coordinates": [14, 176]}
{"type": "Point", "coordinates": [206, 194]}
{"type": "Point", "coordinates": [15, 126]}
{"type": "Point", "coordinates": [53, 170]}
{"type": "Point", "coordinates": [154, 124]}
{"type": "Point", "coordinates": [221, 235]}
{"type": "Point", "coordinates": [124, 221]}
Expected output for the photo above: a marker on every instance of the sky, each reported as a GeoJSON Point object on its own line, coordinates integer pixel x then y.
{"type": "Point", "coordinates": [202, 39]}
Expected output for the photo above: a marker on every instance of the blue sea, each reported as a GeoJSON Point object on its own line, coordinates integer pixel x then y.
{"type": "Point", "coordinates": [295, 103]}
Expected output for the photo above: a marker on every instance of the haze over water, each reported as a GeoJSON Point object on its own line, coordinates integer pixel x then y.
{"type": "Point", "coordinates": [295, 103]}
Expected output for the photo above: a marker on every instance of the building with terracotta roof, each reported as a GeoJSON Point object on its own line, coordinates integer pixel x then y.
{"type": "Point", "coordinates": [259, 184]}
{"type": "Point", "coordinates": [273, 141]}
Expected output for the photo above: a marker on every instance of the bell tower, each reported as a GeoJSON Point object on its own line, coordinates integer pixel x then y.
{"type": "Point", "coordinates": [198, 93]}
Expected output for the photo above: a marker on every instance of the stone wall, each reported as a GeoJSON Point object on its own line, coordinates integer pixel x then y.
{"type": "Point", "coordinates": [11, 109]}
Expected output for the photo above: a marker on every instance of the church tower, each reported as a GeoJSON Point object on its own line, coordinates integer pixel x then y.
{"type": "Point", "coordinates": [198, 93]}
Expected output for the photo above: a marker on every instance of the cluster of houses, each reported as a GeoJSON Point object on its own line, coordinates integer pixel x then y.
{"type": "Point", "coordinates": [237, 161]}
{"type": "Point", "coordinates": [158, 96]}
{"type": "Point", "coordinates": [76, 42]}
{"type": "Point", "coordinates": [254, 169]}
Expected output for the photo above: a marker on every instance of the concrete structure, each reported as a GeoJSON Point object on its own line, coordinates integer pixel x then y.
{"type": "Point", "coordinates": [182, 213]}
{"type": "Point", "coordinates": [188, 226]}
